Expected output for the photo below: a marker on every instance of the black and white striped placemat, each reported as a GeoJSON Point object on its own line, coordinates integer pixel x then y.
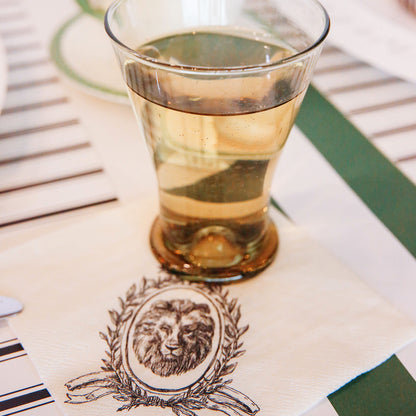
{"type": "Point", "coordinates": [21, 392]}
{"type": "Point", "coordinates": [382, 106]}
{"type": "Point", "coordinates": [47, 167]}
{"type": "Point", "coordinates": [47, 163]}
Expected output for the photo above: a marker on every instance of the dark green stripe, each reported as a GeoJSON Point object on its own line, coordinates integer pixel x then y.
{"type": "Point", "coordinates": [380, 185]}
{"type": "Point", "coordinates": [274, 203]}
{"type": "Point", "coordinates": [388, 390]}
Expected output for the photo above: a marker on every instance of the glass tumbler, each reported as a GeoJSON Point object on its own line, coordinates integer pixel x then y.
{"type": "Point", "coordinates": [216, 86]}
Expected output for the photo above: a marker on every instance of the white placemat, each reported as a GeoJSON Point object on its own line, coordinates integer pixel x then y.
{"type": "Point", "coordinates": [312, 325]}
{"type": "Point", "coordinates": [372, 33]}
{"type": "Point", "coordinates": [48, 165]}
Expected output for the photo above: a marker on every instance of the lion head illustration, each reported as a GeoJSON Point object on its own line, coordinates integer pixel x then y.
{"type": "Point", "coordinates": [173, 336]}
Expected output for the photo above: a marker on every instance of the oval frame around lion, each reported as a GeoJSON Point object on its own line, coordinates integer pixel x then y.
{"type": "Point", "coordinates": [174, 384]}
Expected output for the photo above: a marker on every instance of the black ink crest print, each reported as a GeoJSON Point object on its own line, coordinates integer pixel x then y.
{"type": "Point", "coordinates": [173, 336]}
{"type": "Point", "coordinates": [172, 344]}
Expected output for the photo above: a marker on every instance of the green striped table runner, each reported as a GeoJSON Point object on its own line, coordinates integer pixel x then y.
{"type": "Point", "coordinates": [389, 389]}
{"type": "Point", "coordinates": [379, 184]}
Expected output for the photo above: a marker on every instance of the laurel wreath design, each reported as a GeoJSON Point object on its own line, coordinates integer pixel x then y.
{"type": "Point", "coordinates": [125, 390]}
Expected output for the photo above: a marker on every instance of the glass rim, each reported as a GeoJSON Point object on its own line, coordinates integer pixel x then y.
{"type": "Point", "coordinates": [215, 70]}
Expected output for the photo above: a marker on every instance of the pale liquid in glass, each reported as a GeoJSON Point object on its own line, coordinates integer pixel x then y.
{"type": "Point", "coordinates": [214, 143]}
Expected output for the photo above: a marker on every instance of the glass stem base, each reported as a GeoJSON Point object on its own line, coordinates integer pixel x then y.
{"type": "Point", "coordinates": [201, 262]}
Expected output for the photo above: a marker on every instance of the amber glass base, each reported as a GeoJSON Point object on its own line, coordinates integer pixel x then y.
{"type": "Point", "coordinates": [214, 258]}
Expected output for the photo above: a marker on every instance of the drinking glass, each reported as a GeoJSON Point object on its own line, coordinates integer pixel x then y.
{"type": "Point", "coordinates": [216, 86]}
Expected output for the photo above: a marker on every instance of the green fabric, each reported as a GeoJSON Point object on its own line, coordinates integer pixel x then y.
{"type": "Point", "coordinates": [380, 185]}
{"type": "Point", "coordinates": [274, 203]}
{"type": "Point", "coordinates": [388, 390]}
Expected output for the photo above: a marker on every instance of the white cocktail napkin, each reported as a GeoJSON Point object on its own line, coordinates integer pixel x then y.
{"type": "Point", "coordinates": [312, 324]}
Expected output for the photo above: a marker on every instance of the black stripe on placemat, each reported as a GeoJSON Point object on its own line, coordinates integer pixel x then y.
{"type": "Point", "coordinates": [28, 64]}
{"type": "Point", "coordinates": [44, 153]}
{"type": "Point", "coordinates": [38, 129]}
{"type": "Point", "coordinates": [23, 389]}
{"type": "Point", "coordinates": [329, 49]}
{"type": "Point", "coordinates": [406, 158]}
{"type": "Point", "coordinates": [63, 211]}
{"type": "Point", "coordinates": [29, 408]}
{"type": "Point", "coordinates": [16, 32]}
{"type": "Point", "coordinates": [13, 358]}
{"type": "Point", "coordinates": [31, 84]}
{"type": "Point", "coordinates": [395, 130]}
{"type": "Point", "coordinates": [10, 349]}
{"type": "Point", "coordinates": [338, 68]}
{"type": "Point", "coordinates": [24, 399]}
{"type": "Point", "coordinates": [22, 47]}
{"type": "Point", "coordinates": [54, 180]}
{"type": "Point", "coordinates": [32, 106]}
{"type": "Point", "coordinates": [363, 85]}
{"type": "Point", "coordinates": [8, 340]}
{"type": "Point", "coordinates": [382, 106]}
